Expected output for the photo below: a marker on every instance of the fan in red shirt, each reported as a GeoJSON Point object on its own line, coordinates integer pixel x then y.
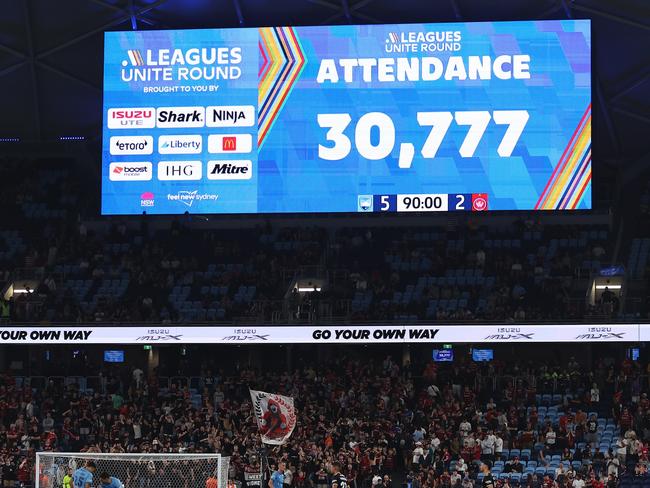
{"type": "Point", "coordinates": [626, 419]}
{"type": "Point", "coordinates": [49, 440]}
{"type": "Point", "coordinates": [595, 482]}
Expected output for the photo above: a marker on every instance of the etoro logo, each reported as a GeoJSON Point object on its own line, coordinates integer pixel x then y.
{"type": "Point", "coordinates": [131, 171]}
{"type": "Point", "coordinates": [230, 170]}
{"type": "Point", "coordinates": [131, 118]}
{"type": "Point", "coordinates": [131, 145]}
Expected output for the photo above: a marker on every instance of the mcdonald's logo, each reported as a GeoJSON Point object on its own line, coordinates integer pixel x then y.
{"type": "Point", "coordinates": [229, 144]}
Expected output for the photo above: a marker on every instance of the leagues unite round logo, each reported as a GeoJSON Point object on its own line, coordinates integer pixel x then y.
{"type": "Point", "coordinates": [194, 64]}
{"type": "Point", "coordinates": [423, 42]}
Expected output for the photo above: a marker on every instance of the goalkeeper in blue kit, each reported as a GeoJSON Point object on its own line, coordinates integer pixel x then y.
{"type": "Point", "coordinates": [107, 481]}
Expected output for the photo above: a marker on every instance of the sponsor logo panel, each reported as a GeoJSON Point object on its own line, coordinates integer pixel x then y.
{"type": "Point", "coordinates": [147, 199]}
{"type": "Point", "coordinates": [230, 143]}
{"type": "Point", "coordinates": [160, 335]}
{"type": "Point", "coordinates": [180, 170]}
{"type": "Point", "coordinates": [602, 334]}
{"type": "Point", "coordinates": [173, 117]}
{"type": "Point", "coordinates": [131, 171]}
{"type": "Point", "coordinates": [131, 145]}
{"type": "Point", "coordinates": [230, 170]}
{"type": "Point", "coordinates": [180, 144]}
{"type": "Point", "coordinates": [188, 197]}
{"type": "Point", "coordinates": [230, 116]}
{"type": "Point", "coordinates": [131, 118]}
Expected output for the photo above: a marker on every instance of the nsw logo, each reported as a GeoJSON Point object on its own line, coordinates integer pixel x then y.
{"type": "Point", "coordinates": [147, 199]}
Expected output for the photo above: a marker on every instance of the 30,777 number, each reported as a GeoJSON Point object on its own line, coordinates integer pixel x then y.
{"type": "Point", "coordinates": [439, 123]}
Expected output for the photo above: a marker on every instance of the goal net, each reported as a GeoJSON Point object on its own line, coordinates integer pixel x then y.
{"type": "Point", "coordinates": [136, 470]}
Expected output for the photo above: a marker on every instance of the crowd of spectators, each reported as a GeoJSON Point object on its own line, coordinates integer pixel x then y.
{"type": "Point", "coordinates": [476, 272]}
{"type": "Point", "coordinates": [424, 424]}
{"type": "Point", "coordinates": [78, 269]}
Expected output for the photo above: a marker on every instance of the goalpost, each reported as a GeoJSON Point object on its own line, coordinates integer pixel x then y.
{"type": "Point", "coordinates": [135, 470]}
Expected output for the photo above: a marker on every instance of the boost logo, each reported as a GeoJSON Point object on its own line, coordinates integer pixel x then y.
{"type": "Point", "coordinates": [130, 171]}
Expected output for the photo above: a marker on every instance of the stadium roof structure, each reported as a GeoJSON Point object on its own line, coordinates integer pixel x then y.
{"type": "Point", "coordinates": [51, 53]}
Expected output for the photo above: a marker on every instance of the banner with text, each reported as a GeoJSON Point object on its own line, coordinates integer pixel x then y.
{"type": "Point", "coordinates": [365, 334]}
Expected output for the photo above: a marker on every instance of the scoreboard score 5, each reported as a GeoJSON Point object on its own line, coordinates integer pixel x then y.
{"type": "Point", "coordinates": [426, 202]}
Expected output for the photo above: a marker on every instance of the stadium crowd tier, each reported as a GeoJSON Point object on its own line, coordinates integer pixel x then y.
{"type": "Point", "coordinates": [72, 268]}
{"type": "Point", "coordinates": [537, 424]}
{"type": "Point", "coordinates": [180, 274]}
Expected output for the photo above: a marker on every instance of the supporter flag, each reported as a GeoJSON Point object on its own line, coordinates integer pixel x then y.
{"type": "Point", "coordinates": [275, 415]}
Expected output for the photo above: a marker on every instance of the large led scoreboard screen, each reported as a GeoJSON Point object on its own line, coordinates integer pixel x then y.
{"type": "Point", "coordinates": [375, 118]}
